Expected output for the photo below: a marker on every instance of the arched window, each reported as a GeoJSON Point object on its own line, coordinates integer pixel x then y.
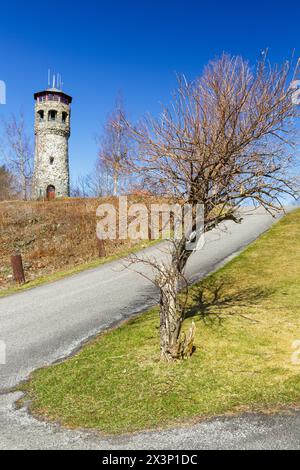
{"type": "Point", "coordinates": [52, 114]}
{"type": "Point", "coordinates": [50, 192]}
{"type": "Point", "coordinates": [40, 115]}
{"type": "Point", "coordinates": [64, 117]}
{"type": "Point", "coordinates": [51, 160]}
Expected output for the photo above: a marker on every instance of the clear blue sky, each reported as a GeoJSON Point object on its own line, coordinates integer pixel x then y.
{"type": "Point", "coordinates": [103, 47]}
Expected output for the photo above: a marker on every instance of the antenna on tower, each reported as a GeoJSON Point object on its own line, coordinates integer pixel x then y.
{"type": "Point", "coordinates": [53, 81]}
{"type": "Point", "coordinates": [48, 78]}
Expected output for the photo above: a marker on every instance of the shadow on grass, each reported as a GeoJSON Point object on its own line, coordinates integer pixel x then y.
{"type": "Point", "coordinates": [216, 300]}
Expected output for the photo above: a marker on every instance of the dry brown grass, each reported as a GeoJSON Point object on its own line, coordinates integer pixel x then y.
{"type": "Point", "coordinates": [52, 236]}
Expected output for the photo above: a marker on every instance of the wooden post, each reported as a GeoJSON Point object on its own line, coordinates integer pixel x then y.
{"type": "Point", "coordinates": [101, 248]}
{"type": "Point", "coordinates": [17, 267]}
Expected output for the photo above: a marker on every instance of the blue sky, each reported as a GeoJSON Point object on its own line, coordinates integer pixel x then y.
{"type": "Point", "coordinates": [102, 48]}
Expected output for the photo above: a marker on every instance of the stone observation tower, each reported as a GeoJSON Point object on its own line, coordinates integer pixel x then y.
{"type": "Point", "coordinates": [52, 131]}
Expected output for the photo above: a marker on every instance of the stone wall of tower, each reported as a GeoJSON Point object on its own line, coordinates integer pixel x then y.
{"type": "Point", "coordinates": [51, 149]}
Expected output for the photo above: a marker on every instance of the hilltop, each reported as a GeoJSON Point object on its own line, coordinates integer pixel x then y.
{"type": "Point", "coordinates": [52, 236]}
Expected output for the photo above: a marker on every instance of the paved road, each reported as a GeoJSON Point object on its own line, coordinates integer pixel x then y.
{"type": "Point", "coordinates": [44, 324]}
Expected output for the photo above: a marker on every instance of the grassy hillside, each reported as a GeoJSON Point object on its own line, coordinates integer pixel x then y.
{"type": "Point", "coordinates": [248, 319]}
{"type": "Point", "coordinates": [52, 236]}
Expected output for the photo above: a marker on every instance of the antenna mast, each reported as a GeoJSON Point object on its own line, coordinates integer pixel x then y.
{"type": "Point", "coordinates": [56, 80]}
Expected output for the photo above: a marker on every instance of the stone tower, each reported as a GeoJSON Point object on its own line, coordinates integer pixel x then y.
{"type": "Point", "coordinates": [52, 131]}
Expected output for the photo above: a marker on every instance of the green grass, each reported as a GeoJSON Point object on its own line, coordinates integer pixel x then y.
{"type": "Point", "coordinates": [247, 317]}
{"type": "Point", "coordinates": [75, 269]}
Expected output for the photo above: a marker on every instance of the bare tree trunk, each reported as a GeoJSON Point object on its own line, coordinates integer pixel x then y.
{"type": "Point", "coordinates": [22, 169]}
{"type": "Point", "coordinates": [115, 178]}
{"type": "Point", "coordinates": [167, 282]}
{"type": "Point", "coordinates": [172, 344]}
{"type": "Point", "coordinates": [23, 182]}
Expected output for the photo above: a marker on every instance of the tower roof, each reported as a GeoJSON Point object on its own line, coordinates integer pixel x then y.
{"type": "Point", "coordinates": [54, 91]}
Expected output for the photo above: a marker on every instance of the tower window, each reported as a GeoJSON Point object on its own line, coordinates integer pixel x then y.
{"type": "Point", "coordinates": [51, 160]}
{"type": "Point", "coordinates": [41, 115]}
{"type": "Point", "coordinates": [64, 116]}
{"type": "Point", "coordinates": [52, 115]}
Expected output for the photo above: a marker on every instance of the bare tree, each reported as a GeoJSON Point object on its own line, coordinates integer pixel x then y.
{"type": "Point", "coordinates": [225, 140]}
{"type": "Point", "coordinates": [7, 184]}
{"type": "Point", "coordinates": [18, 152]}
{"type": "Point", "coordinates": [81, 187]}
{"type": "Point", "coordinates": [114, 146]}
{"type": "Point", "coordinates": [95, 184]}
{"type": "Point", "coordinates": [100, 182]}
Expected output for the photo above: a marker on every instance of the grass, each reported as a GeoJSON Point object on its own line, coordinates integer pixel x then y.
{"type": "Point", "coordinates": [247, 316]}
